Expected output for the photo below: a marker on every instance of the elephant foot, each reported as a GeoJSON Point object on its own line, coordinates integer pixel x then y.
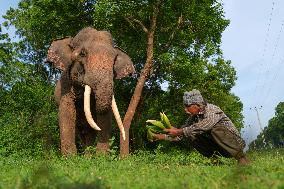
{"type": "Point", "coordinates": [102, 149]}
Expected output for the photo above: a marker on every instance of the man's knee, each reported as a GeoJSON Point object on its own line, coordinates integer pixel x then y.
{"type": "Point", "coordinates": [229, 141]}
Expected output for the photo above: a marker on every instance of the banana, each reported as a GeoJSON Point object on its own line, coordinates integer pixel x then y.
{"type": "Point", "coordinates": [150, 135]}
{"type": "Point", "coordinates": [166, 121]}
{"type": "Point", "coordinates": [154, 129]}
{"type": "Point", "coordinates": [157, 126]}
{"type": "Point", "coordinates": [148, 127]}
{"type": "Point", "coordinates": [156, 123]}
{"type": "Point", "coordinates": [162, 116]}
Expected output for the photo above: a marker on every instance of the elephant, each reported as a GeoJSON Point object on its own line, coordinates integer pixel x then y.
{"type": "Point", "coordinates": [89, 62]}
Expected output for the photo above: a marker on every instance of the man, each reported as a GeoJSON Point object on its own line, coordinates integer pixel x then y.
{"type": "Point", "coordinates": [208, 129]}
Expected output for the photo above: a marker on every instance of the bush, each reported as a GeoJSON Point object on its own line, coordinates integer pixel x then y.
{"type": "Point", "coordinates": [29, 119]}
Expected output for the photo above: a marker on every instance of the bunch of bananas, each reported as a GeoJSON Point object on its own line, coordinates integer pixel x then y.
{"type": "Point", "coordinates": [157, 126]}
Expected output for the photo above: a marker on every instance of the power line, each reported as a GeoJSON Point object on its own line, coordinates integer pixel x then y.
{"type": "Point", "coordinates": [264, 49]}
{"type": "Point", "coordinates": [272, 82]}
{"type": "Point", "coordinates": [272, 58]}
{"type": "Point", "coordinates": [277, 42]}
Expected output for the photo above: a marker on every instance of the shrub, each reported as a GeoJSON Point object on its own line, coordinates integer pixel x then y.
{"type": "Point", "coordinates": [29, 119]}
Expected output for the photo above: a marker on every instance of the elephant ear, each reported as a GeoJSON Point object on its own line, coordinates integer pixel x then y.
{"type": "Point", "coordinates": [123, 65]}
{"type": "Point", "coordinates": [59, 53]}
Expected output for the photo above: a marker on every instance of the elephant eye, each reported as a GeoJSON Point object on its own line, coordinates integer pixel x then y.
{"type": "Point", "coordinates": [83, 53]}
{"type": "Point", "coordinates": [71, 47]}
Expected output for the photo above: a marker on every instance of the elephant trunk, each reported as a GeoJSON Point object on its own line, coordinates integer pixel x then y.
{"type": "Point", "coordinates": [103, 91]}
{"type": "Point", "coordinates": [89, 117]}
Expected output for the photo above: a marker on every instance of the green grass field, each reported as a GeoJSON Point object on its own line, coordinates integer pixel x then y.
{"type": "Point", "coordinates": [173, 170]}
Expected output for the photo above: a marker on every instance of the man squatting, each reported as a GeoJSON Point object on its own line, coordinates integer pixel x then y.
{"type": "Point", "coordinates": [208, 129]}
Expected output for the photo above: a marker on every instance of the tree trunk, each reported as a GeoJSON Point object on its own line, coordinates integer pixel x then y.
{"type": "Point", "coordinates": [124, 145]}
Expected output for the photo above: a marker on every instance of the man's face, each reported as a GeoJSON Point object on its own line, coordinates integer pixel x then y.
{"type": "Point", "coordinates": [193, 109]}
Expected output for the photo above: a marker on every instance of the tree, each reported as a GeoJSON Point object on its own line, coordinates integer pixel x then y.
{"type": "Point", "coordinates": [27, 114]}
{"type": "Point", "coordinates": [5, 58]}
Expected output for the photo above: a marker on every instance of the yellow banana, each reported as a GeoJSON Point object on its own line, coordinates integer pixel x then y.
{"type": "Point", "coordinates": [156, 123]}
{"type": "Point", "coordinates": [166, 121]}
{"type": "Point", "coordinates": [157, 126]}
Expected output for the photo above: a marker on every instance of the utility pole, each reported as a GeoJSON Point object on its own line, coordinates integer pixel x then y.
{"type": "Point", "coordinates": [258, 117]}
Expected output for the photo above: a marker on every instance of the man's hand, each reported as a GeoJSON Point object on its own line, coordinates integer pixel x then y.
{"type": "Point", "coordinates": [159, 136]}
{"type": "Point", "coordinates": [174, 131]}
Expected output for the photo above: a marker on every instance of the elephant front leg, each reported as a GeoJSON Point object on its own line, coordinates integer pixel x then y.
{"type": "Point", "coordinates": [104, 122]}
{"type": "Point", "coordinates": [67, 120]}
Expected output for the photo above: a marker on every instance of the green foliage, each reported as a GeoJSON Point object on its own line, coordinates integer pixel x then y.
{"type": "Point", "coordinates": [272, 135]}
{"type": "Point", "coordinates": [28, 118]}
{"type": "Point", "coordinates": [159, 169]}
{"type": "Point", "coordinates": [5, 58]}
{"type": "Point", "coordinates": [27, 112]}
{"type": "Point", "coordinates": [200, 29]}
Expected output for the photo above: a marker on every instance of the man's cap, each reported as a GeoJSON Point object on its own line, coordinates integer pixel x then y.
{"type": "Point", "coordinates": [192, 97]}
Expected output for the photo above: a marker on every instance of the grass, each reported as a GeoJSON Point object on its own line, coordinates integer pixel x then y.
{"type": "Point", "coordinates": [175, 169]}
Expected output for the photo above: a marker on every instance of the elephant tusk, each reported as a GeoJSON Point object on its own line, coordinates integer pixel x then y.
{"type": "Point", "coordinates": [117, 117]}
{"type": "Point", "coordinates": [87, 110]}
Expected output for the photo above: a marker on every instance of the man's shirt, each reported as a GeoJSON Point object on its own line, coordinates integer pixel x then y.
{"type": "Point", "coordinates": [207, 119]}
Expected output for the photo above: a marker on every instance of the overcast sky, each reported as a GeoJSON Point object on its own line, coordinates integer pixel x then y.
{"type": "Point", "coordinates": [254, 42]}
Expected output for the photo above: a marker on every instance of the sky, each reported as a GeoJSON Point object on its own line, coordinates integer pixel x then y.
{"type": "Point", "coordinates": [254, 42]}
{"type": "Point", "coordinates": [5, 5]}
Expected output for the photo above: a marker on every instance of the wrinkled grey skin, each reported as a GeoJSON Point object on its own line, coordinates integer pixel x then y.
{"type": "Point", "coordinates": [88, 58]}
